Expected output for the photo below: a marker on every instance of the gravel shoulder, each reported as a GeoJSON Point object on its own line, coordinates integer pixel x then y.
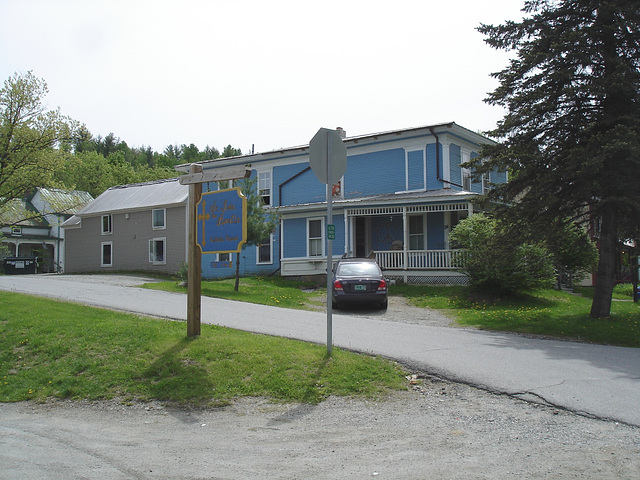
{"type": "Point", "coordinates": [436, 429]}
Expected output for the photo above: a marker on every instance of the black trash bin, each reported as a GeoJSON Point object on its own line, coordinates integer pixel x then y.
{"type": "Point", "coordinates": [20, 265]}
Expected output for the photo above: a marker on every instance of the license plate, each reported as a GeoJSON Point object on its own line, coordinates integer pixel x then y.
{"type": "Point", "coordinates": [360, 288]}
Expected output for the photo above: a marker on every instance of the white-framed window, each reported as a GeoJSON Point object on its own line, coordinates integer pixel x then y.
{"type": "Point", "coordinates": [416, 232]}
{"type": "Point", "coordinates": [107, 225]}
{"type": "Point", "coordinates": [159, 218]}
{"type": "Point", "coordinates": [336, 189]}
{"type": "Point", "coordinates": [16, 231]}
{"type": "Point", "coordinates": [315, 237]}
{"type": "Point", "coordinates": [224, 257]}
{"type": "Point", "coordinates": [265, 185]}
{"type": "Point", "coordinates": [415, 169]}
{"type": "Point", "coordinates": [106, 254]}
{"type": "Point", "coordinates": [157, 251]}
{"type": "Point", "coordinates": [486, 184]}
{"type": "Point", "coordinates": [264, 252]}
{"type": "Point", "coordinates": [466, 179]}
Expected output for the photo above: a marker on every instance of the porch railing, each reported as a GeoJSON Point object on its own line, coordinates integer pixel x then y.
{"type": "Point", "coordinates": [420, 259]}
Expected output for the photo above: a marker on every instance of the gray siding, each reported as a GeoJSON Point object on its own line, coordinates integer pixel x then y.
{"type": "Point", "coordinates": [130, 238]}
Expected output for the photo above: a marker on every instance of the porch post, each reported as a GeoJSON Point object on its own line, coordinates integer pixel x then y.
{"type": "Point", "coordinates": [347, 232]}
{"type": "Point", "coordinates": [405, 243]}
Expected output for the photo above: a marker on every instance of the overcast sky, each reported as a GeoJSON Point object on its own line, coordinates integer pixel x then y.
{"type": "Point", "coordinates": [256, 72]}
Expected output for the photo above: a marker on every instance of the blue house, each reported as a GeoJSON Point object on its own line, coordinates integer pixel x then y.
{"type": "Point", "coordinates": [401, 195]}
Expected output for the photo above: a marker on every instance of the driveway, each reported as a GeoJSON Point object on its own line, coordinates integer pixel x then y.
{"type": "Point", "coordinates": [594, 380]}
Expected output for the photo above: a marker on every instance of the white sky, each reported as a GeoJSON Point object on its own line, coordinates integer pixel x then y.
{"type": "Point", "coordinates": [261, 72]}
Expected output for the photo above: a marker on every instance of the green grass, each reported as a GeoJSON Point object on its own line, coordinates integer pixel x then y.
{"type": "Point", "coordinates": [548, 312]}
{"type": "Point", "coordinates": [276, 291]}
{"type": "Point", "coordinates": [52, 349]}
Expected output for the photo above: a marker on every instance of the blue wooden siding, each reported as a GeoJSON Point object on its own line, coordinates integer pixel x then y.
{"type": "Point", "coordinates": [435, 231]}
{"type": "Point", "coordinates": [295, 184]}
{"type": "Point", "coordinates": [338, 243]}
{"type": "Point", "coordinates": [375, 173]}
{"type": "Point", "coordinates": [432, 172]}
{"type": "Point", "coordinates": [498, 177]}
{"type": "Point", "coordinates": [415, 169]}
{"type": "Point", "coordinates": [294, 238]}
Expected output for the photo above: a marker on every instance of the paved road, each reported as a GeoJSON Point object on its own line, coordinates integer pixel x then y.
{"type": "Point", "coordinates": [595, 380]}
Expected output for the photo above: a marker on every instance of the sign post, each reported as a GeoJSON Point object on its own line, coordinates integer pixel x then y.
{"type": "Point", "coordinates": [195, 178]}
{"type": "Point", "coordinates": [328, 160]}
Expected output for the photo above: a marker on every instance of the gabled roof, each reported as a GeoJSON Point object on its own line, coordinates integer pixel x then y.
{"type": "Point", "coordinates": [66, 202]}
{"type": "Point", "coordinates": [138, 196]}
{"type": "Point", "coordinates": [22, 213]}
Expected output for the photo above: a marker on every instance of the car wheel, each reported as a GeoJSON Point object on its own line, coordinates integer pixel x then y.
{"type": "Point", "coordinates": [384, 305]}
{"type": "Point", "coordinates": [334, 305]}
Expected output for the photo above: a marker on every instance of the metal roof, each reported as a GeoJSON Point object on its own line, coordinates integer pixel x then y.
{"type": "Point", "coordinates": [444, 195]}
{"type": "Point", "coordinates": [438, 128]}
{"type": "Point", "coordinates": [138, 196]}
{"type": "Point", "coordinates": [64, 201]}
{"type": "Point", "coordinates": [21, 213]}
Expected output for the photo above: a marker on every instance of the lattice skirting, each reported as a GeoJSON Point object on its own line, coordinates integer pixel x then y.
{"type": "Point", "coordinates": [429, 279]}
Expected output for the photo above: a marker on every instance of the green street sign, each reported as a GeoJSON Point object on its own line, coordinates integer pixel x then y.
{"type": "Point", "coordinates": [331, 232]}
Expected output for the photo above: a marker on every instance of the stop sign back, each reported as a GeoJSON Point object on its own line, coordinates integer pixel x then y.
{"type": "Point", "coordinates": [323, 143]}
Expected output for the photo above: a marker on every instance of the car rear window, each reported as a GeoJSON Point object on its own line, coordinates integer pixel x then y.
{"type": "Point", "coordinates": [357, 269]}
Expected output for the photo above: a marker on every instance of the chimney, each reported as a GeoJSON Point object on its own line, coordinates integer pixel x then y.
{"type": "Point", "coordinates": [341, 132]}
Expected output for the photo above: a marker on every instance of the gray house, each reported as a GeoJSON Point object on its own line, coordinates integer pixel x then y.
{"type": "Point", "coordinates": [136, 227]}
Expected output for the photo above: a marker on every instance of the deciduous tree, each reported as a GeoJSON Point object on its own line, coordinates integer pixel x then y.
{"type": "Point", "coordinates": [29, 137]}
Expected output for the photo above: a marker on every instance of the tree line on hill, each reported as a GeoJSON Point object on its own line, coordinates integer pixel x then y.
{"type": "Point", "coordinates": [42, 148]}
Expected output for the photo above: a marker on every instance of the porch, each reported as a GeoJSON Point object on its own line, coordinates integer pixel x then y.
{"type": "Point", "coordinates": [440, 267]}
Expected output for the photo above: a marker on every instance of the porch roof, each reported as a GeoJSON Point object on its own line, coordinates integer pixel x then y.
{"type": "Point", "coordinates": [393, 201]}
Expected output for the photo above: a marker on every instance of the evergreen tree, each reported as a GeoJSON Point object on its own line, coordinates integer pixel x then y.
{"type": "Point", "coordinates": [570, 139]}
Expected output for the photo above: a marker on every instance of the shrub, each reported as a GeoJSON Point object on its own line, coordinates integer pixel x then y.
{"type": "Point", "coordinates": [496, 264]}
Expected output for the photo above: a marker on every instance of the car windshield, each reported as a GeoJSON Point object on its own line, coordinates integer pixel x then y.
{"type": "Point", "coordinates": [357, 269]}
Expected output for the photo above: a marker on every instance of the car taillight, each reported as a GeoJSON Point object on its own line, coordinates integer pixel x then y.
{"type": "Point", "coordinates": [337, 285]}
{"type": "Point", "coordinates": [382, 285]}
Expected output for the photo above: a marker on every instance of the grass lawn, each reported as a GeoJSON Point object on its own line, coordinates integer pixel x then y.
{"type": "Point", "coordinates": [52, 349]}
{"type": "Point", "coordinates": [276, 291]}
{"type": "Point", "coordinates": [547, 312]}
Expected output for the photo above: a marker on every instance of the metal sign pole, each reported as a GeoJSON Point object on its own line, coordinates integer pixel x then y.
{"type": "Point", "coordinates": [329, 249]}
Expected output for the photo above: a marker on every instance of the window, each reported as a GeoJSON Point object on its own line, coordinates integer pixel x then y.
{"type": "Point", "coordinates": [106, 254]}
{"type": "Point", "coordinates": [336, 189]}
{"type": "Point", "coordinates": [315, 245]}
{"type": "Point", "coordinates": [265, 251]}
{"type": "Point", "coordinates": [466, 179]}
{"type": "Point", "coordinates": [486, 184]}
{"type": "Point", "coordinates": [106, 225]}
{"type": "Point", "coordinates": [157, 251]}
{"type": "Point", "coordinates": [158, 218]}
{"type": "Point", "coordinates": [224, 257]}
{"type": "Point", "coordinates": [16, 231]}
{"type": "Point", "coordinates": [264, 187]}
{"type": "Point", "coordinates": [415, 169]}
{"type": "Point", "coordinates": [416, 232]}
